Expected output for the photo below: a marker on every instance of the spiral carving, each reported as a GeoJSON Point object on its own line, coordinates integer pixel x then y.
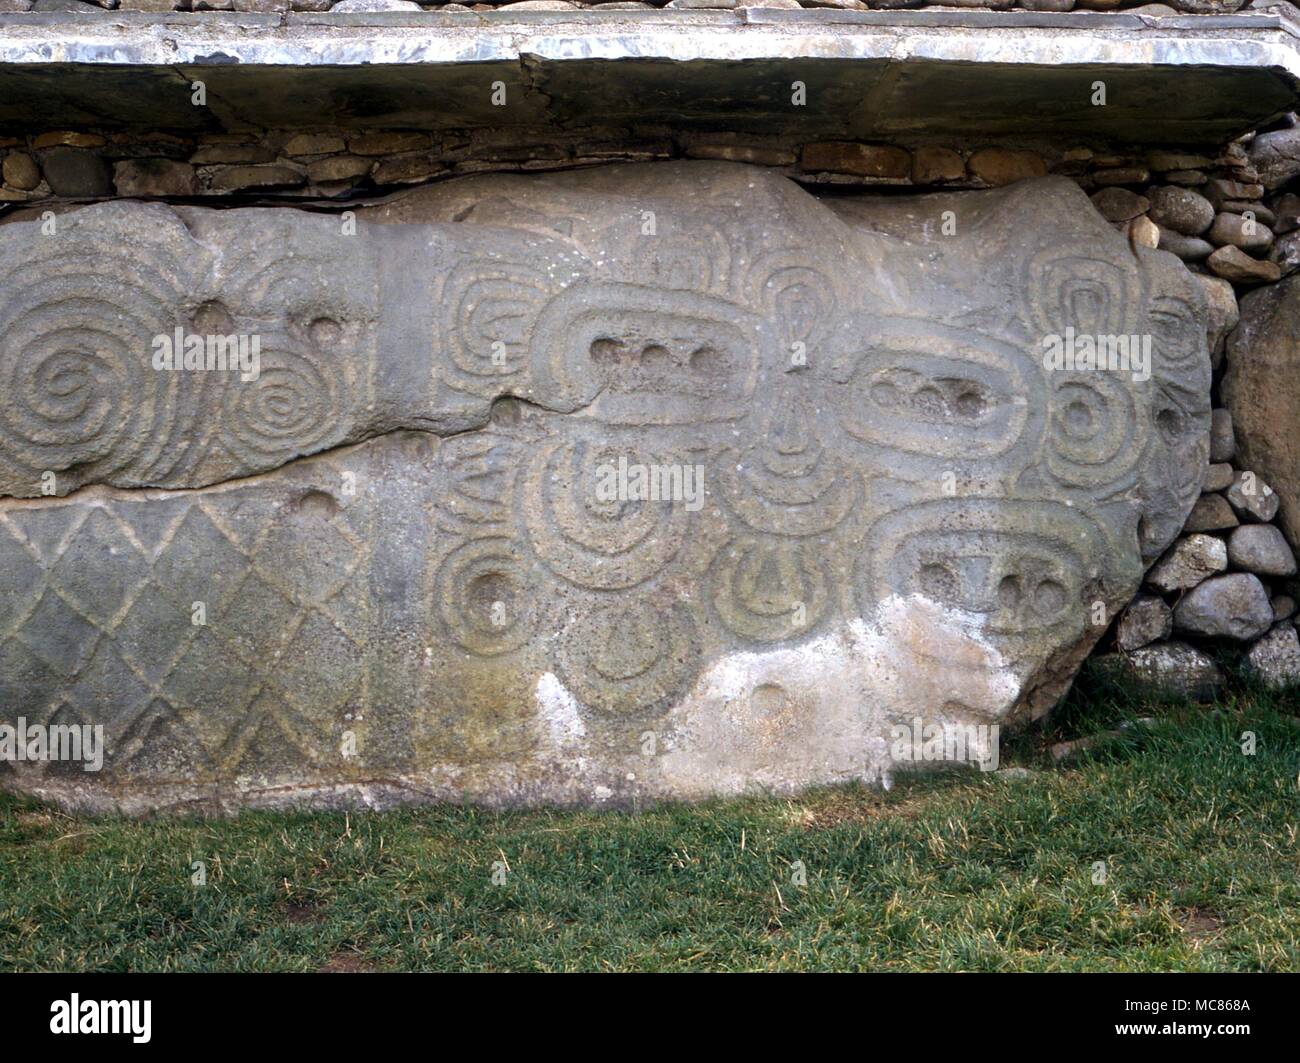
{"type": "Point", "coordinates": [1097, 437]}
{"type": "Point", "coordinates": [297, 405]}
{"type": "Point", "coordinates": [76, 375]}
{"type": "Point", "coordinates": [482, 590]}
{"type": "Point", "coordinates": [590, 541]}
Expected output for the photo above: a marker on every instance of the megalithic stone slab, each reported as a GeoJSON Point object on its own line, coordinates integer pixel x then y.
{"type": "Point", "coordinates": [644, 482]}
{"type": "Point", "coordinates": [1260, 390]}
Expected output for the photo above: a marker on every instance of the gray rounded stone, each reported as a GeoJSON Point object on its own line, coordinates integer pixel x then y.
{"type": "Point", "coordinates": [76, 173]}
{"type": "Point", "coordinates": [1286, 208]}
{"type": "Point", "coordinates": [1252, 498]}
{"type": "Point", "coordinates": [1256, 207]}
{"type": "Point", "coordinates": [1275, 658]}
{"type": "Point", "coordinates": [1262, 549]}
{"type": "Point", "coordinates": [1251, 235]}
{"type": "Point", "coordinates": [1286, 252]}
{"type": "Point", "coordinates": [1181, 210]}
{"type": "Point", "coordinates": [1188, 248]}
{"type": "Point", "coordinates": [1218, 477]}
{"type": "Point", "coordinates": [1169, 667]}
{"type": "Point", "coordinates": [1276, 156]}
{"type": "Point", "coordinates": [1235, 606]}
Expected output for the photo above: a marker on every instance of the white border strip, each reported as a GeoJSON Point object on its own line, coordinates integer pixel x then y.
{"type": "Point", "coordinates": [1252, 42]}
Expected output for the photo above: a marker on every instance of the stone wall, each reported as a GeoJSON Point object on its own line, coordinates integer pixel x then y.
{"type": "Point", "coordinates": [331, 163]}
{"type": "Point", "coordinates": [1230, 579]}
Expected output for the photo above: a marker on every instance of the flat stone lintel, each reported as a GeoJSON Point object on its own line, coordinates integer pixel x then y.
{"type": "Point", "coordinates": [1190, 80]}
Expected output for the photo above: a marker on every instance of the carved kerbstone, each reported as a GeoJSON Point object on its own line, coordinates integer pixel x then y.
{"type": "Point", "coordinates": [424, 566]}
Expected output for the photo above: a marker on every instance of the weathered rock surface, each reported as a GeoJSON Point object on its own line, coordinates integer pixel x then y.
{"type": "Point", "coordinates": [1190, 561]}
{"type": "Point", "coordinates": [1286, 209]}
{"type": "Point", "coordinates": [1252, 498]}
{"type": "Point", "coordinates": [1275, 658]}
{"type": "Point", "coordinates": [412, 559]}
{"type": "Point", "coordinates": [1211, 513]}
{"type": "Point", "coordinates": [1119, 204]}
{"type": "Point", "coordinates": [345, 6]}
{"type": "Point", "coordinates": [1221, 191]}
{"type": "Point", "coordinates": [1235, 606]}
{"type": "Point", "coordinates": [865, 160]}
{"type": "Point", "coordinates": [154, 177]}
{"type": "Point", "coordinates": [1260, 388]}
{"type": "Point", "coordinates": [1143, 232]}
{"type": "Point", "coordinates": [1146, 620]}
{"type": "Point", "coordinates": [1223, 313]}
{"type": "Point", "coordinates": [20, 171]}
{"type": "Point", "coordinates": [1218, 477]}
{"type": "Point", "coordinates": [1223, 440]}
{"type": "Point", "coordinates": [1276, 156]}
{"type": "Point", "coordinates": [1286, 253]}
{"type": "Point", "coordinates": [1180, 209]}
{"type": "Point", "coordinates": [1001, 166]}
{"type": "Point", "coordinates": [1262, 549]}
{"type": "Point", "coordinates": [1235, 265]}
{"type": "Point", "coordinates": [76, 173]}
{"type": "Point", "coordinates": [1169, 667]}
{"type": "Point", "coordinates": [1188, 248]}
{"type": "Point", "coordinates": [1239, 231]}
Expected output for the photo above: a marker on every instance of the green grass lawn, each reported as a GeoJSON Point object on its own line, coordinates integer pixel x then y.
{"type": "Point", "coordinates": [960, 871]}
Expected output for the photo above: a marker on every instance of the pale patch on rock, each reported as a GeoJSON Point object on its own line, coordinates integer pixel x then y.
{"type": "Point", "coordinates": [826, 710]}
{"type": "Point", "coordinates": [558, 711]}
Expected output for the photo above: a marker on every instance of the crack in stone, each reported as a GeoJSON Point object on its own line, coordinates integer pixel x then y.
{"type": "Point", "coordinates": [416, 425]}
{"type": "Point", "coordinates": [532, 70]}
{"type": "Point", "coordinates": [227, 118]}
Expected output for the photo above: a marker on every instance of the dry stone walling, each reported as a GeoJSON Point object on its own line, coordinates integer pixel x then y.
{"type": "Point", "coordinates": [881, 505]}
